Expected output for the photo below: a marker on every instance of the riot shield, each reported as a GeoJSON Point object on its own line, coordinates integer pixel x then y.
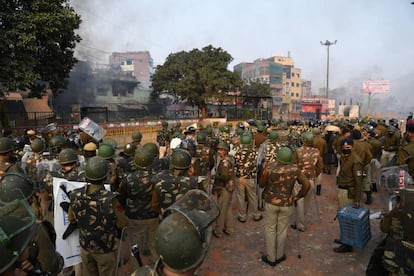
{"type": "Point", "coordinates": [128, 256]}
{"type": "Point", "coordinates": [92, 129]}
{"type": "Point", "coordinates": [390, 181]}
{"type": "Point", "coordinates": [197, 207]}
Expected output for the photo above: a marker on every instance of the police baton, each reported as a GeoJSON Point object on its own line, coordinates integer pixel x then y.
{"type": "Point", "coordinates": [135, 252]}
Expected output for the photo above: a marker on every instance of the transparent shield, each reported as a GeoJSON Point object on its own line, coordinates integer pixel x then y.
{"type": "Point", "coordinates": [198, 207]}
{"type": "Point", "coordinates": [16, 228]}
{"type": "Point", "coordinates": [390, 181]}
{"type": "Point", "coordinates": [129, 255]}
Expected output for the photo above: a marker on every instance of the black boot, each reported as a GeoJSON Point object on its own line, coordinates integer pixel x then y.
{"type": "Point", "coordinates": [374, 187]}
{"type": "Point", "coordinates": [318, 189]}
{"type": "Point", "coordinates": [369, 198]}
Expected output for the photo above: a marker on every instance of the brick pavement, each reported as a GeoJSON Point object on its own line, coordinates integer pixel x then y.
{"type": "Point", "coordinates": [240, 253]}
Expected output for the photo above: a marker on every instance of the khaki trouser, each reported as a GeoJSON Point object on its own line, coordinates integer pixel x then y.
{"type": "Point", "coordinates": [386, 157]}
{"type": "Point", "coordinates": [225, 220]}
{"type": "Point", "coordinates": [245, 187]}
{"type": "Point", "coordinates": [343, 198]}
{"type": "Point", "coordinates": [98, 263]}
{"type": "Point", "coordinates": [276, 225]}
{"type": "Point", "coordinates": [373, 171]}
{"type": "Point", "coordinates": [142, 233]}
{"type": "Point", "coordinates": [303, 204]}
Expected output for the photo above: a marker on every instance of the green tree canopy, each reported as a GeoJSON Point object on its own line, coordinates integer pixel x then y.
{"type": "Point", "coordinates": [254, 91]}
{"type": "Point", "coordinates": [37, 41]}
{"type": "Point", "coordinates": [196, 76]}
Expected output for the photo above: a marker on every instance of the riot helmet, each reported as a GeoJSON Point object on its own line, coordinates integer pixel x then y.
{"type": "Point", "coordinates": [273, 135]}
{"type": "Point", "coordinates": [106, 151]}
{"type": "Point", "coordinates": [143, 158]}
{"type": "Point", "coordinates": [153, 148]}
{"type": "Point", "coordinates": [6, 145]}
{"type": "Point", "coordinates": [38, 145]}
{"type": "Point", "coordinates": [129, 149]}
{"type": "Point", "coordinates": [180, 159]}
{"type": "Point", "coordinates": [136, 136]}
{"type": "Point", "coordinates": [14, 186]}
{"type": "Point", "coordinates": [96, 168]}
{"type": "Point", "coordinates": [67, 156]}
{"type": "Point", "coordinates": [316, 131]}
{"type": "Point", "coordinates": [284, 155]}
{"type": "Point", "coordinates": [19, 142]}
{"type": "Point", "coordinates": [307, 138]}
{"type": "Point", "coordinates": [183, 237]}
{"type": "Point", "coordinates": [56, 141]}
{"type": "Point", "coordinates": [201, 137]}
{"type": "Point", "coordinates": [246, 139]}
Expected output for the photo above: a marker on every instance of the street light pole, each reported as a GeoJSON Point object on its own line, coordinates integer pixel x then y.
{"type": "Point", "coordinates": [327, 44]}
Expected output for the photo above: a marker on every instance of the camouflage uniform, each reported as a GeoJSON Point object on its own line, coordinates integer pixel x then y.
{"type": "Point", "coordinates": [278, 181]}
{"type": "Point", "coordinates": [136, 196]}
{"type": "Point", "coordinates": [223, 189]}
{"type": "Point", "coordinates": [206, 163]}
{"type": "Point", "coordinates": [96, 212]}
{"type": "Point", "coordinates": [310, 163]}
{"type": "Point", "coordinates": [245, 169]}
{"type": "Point", "coordinates": [266, 154]}
{"type": "Point", "coordinates": [168, 188]}
{"type": "Point", "coordinates": [163, 140]}
{"type": "Point", "coordinates": [398, 257]}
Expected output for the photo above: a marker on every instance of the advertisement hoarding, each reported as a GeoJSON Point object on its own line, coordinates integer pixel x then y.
{"type": "Point", "coordinates": [376, 86]}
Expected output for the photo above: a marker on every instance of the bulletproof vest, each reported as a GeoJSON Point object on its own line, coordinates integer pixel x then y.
{"type": "Point", "coordinates": [170, 188]}
{"type": "Point", "coordinates": [306, 161]}
{"type": "Point", "coordinates": [139, 188]}
{"type": "Point", "coordinates": [281, 180]}
{"type": "Point", "coordinates": [96, 219]}
{"type": "Point", "coordinates": [246, 159]}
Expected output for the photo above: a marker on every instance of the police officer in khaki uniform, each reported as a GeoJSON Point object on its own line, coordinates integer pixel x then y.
{"type": "Point", "coordinates": [349, 182]}
{"type": "Point", "coordinates": [96, 212]}
{"type": "Point", "coordinates": [364, 150]}
{"type": "Point", "coordinates": [278, 179]}
{"type": "Point", "coordinates": [223, 188]}
{"type": "Point", "coordinates": [391, 144]}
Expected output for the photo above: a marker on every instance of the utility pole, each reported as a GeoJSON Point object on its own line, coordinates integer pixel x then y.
{"type": "Point", "coordinates": [327, 44]}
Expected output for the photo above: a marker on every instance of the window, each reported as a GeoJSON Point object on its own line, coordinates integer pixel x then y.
{"type": "Point", "coordinates": [101, 91]}
{"type": "Point", "coordinates": [129, 62]}
{"type": "Point", "coordinates": [297, 85]}
{"type": "Point", "coordinates": [297, 94]}
{"type": "Point", "coordinates": [293, 84]}
{"type": "Point", "coordinates": [292, 94]}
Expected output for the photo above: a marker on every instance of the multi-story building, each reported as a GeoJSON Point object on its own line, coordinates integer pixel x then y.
{"type": "Point", "coordinates": [140, 64]}
{"type": "Point", "coordinates": [306, 88]}
{"type": "Point", "coordinates": [284, 78]}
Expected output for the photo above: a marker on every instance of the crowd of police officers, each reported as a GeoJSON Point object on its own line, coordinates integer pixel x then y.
{"type": "Point", "coordinates": [267, 173]}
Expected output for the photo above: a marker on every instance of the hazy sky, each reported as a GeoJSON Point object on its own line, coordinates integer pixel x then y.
{"type": "Point", "coordinates": [375, 37]}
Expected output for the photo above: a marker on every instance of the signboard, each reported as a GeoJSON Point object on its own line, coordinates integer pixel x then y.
{"type": "Point", "coordinates": [376, 86]}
